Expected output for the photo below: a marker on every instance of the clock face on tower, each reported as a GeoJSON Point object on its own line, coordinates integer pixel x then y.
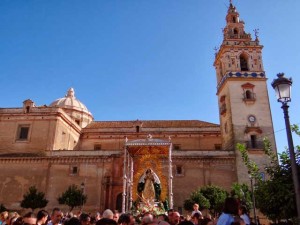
{"type": "Point", "coordinates": [251, 119]}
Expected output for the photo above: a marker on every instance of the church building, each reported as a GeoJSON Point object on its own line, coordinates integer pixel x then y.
{"type": "Point", "coordinates": [54, 146]}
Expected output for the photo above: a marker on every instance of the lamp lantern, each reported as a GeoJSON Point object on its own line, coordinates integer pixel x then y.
{"type": "Point", "coordinates": [282, 87]}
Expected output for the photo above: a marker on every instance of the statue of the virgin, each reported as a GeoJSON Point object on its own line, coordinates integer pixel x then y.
{"type": "Point", "coordinates": [149, 186]}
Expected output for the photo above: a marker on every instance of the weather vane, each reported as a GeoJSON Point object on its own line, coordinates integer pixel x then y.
{"type": "Point", "coordinates": [216, 49]}
{"type": "Point", "coordinates": [256, 31]}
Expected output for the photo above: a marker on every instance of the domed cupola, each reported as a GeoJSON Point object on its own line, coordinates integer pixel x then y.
{"type": "Point", "coordinates": [74, 108]}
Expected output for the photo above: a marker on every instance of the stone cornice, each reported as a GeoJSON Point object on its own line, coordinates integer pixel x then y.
{"type": "Point", "coordinates": [56, 160]}
{"type": "Point", "coordinates": [106, 156]}
{"type": "Point", "coordinates": [241, 76]}
{"type": "Point", "coordinates": [143, 134]}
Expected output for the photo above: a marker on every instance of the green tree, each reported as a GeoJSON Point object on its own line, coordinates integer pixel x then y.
{"type": "Point", "coordinates": [275, 197]}
{"type": "Point", "coordinates": [216, 197]}
{"type": "Point", "coordinates": [196, 197]}
{"type": "Point", "coordinates": [34, 199]}
{"type": "Point", "coordinates": [73, 197]}
{"type": "Point", "coordinates": [242, 192]}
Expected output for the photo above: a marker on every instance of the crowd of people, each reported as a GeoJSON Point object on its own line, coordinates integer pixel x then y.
{"type": "Point", "coordinates": [233, 214]}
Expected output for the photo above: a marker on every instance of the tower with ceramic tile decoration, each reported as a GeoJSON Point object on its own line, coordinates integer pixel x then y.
{"type": "Point", "coordinates": [245, 115]}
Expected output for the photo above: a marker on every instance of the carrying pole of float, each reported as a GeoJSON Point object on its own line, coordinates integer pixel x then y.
{"type": "Point", "coordinates": [170, 177]}
{"type": "Point", "coordinates": [124, 180]}
{"type": "Point", "coordinates": [131, 182]}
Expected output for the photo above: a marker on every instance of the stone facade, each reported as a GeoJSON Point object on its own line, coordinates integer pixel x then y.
{"type": "Point", "coordinates": [55, 146]}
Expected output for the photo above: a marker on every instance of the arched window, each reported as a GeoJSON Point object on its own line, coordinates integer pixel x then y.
{"type": "Point", "coordinates": [233, 19]}
{"type": "Point", "coordinates": [243, 62]}
{"type": "Point", "coordinates": [235, 31]}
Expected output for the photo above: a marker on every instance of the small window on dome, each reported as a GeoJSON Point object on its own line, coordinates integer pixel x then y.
{"type": "Point", "coordinates": [77, 121]}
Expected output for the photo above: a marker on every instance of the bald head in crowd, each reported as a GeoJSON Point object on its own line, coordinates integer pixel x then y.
{"type": "Point", "coordinates": [108, 214]}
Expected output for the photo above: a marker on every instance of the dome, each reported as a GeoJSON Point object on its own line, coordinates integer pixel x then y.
{"type": "Point", "coordinates": [70, 102]}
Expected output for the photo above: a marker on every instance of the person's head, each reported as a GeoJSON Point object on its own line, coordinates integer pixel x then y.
{"type": "Point", "coordinates": [206, 221]}
{"type": "Point", "coordinates": [97, 216]}
{"type": "Point", "coordinates": [42, 216]}
{"type": "Point", "coordinates": [116, 215]}
{"type": "Point", "coordinates": [19, 221]}
{"type": "Point", "coordinates": [170, 211]}
{"type": "Point", "coordinates": [106, 221]}
{"type": "Point", "coordinates": [4, 216]}
{"type": "Point", "coordinates": [242, 210]}
{"type": "Point", "coordinates": [72, 221]}
{"type": "Point", "coordinates": [238, 221]}
{"type": "Point", "coordinates": [132, 219]}
{"type": "Point", "coordinates": [29, 219]}
{"type": "Point", "coordinates": [181, 218]}
{"type": "Point", "coordinates": [108, 214]}
{"type": "Point", "coordinates": [11, 216]}
{"type": "Point", "coordinates": [13, 219]}
{"type": "Point", "coordinates": [196, 207]}
{"type": "Point", "coordinates": [147, 219]}
{"type": "Point", "coordinates": [196, 217]}
{"type": "Point", "coordinates": [162, 217]}
{"type": "Point", "coordinates": [231, 206]}
{"type": "Point", "coordinates": [185, 222]}
{"type": "Point", "coordinates": [56, 216]}
{"type": "Point", "coordinates": [174, 218]}
{"type": "Point", "coordinates": [124, 219]}
{"type": "Point", "coordinates": [84, 219]}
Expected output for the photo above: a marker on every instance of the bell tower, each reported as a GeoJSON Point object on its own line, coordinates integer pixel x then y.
{"type": "Point", "coordinates": [245, 115]}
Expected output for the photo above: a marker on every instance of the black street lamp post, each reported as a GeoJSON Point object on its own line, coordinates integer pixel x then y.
{"type": "Point", "coordinates": [253, 200]}
{"type": "Point", "coordinates": [282, 86]}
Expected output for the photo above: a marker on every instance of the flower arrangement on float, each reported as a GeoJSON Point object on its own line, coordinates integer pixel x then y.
{"type": "Point", "coordinates": [142, 206]}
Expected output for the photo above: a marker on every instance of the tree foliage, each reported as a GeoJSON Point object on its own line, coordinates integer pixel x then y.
{"type": "Point", "coordinates": [242, 192]}
{"type": "Point", "coordinates": [208, 197]}
{"type": "Point", "coordinates": [72, 197]}
{"type": "Point", "coordinates": [216, 197]}
{"type": "Point", "coordinates": [275, 197]}
{"type": "Point", "coordinates": [34, 199]}
{"type": "Point", "coordinates": [196, 197]}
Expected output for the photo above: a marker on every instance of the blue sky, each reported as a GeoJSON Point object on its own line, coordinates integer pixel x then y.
{"type": "Point", "coordinates": [138, 59]}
